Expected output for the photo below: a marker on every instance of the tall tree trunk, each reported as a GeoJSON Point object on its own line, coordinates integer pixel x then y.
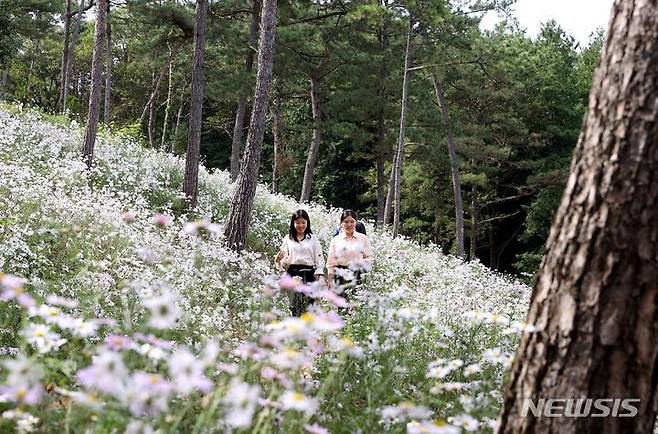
{"type": "Point", "coordinates": [191, 180]}
{"type": "Point", "coordinates": [108, 70]}
{"type": "Point", "coordinates": [236, 141]}
{"type": "Point", "coordinates": [65, 53]}
{"type": "Point", "coordinates": [313, 150]}
{"type": "Point", "coordinates": [454, 166]}
{"type": "Point", "coordinates": [158, 81]}
{"type": "Point", "coordinates": [388, 207]}
{"type": "Point", "coordinates": [95, 92]}
{"type": "Point", "coordinates": [3, 81]}
{"type": "Point", "coordinates": [475, 215]}
{"type": "Point", "coordinates": [243, 198]}
{"type": "Point", "coordinates": [595, 302]}
{"type": "Point", "coordinates": [71, 57]}
{"type": "Point", "coordinates": [170, 89]}
{"type": "Point", "coordinates": [178, 117]}
{"type": "Point", "coordinates": [396, 171]}
{"type": "Point", "coordinates": [277, 132]}
{"type": "Point", "coordinates": [381, 125]}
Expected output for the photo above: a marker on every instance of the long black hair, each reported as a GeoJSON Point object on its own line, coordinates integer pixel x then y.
{"type": "Point", "coordinates": [299, 214]}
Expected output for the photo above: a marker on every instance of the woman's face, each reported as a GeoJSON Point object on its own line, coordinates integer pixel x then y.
{"type": "Point", "coordinates": [348, 224]}
{"type": "Point", "coordinates": [300, 225]}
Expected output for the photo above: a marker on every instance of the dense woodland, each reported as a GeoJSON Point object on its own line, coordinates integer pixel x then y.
{"type": "Point", "coordinates": [510, 105]}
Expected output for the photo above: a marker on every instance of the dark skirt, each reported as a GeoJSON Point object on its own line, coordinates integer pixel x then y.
{"type": "Point", "coordinates": [299, 302]}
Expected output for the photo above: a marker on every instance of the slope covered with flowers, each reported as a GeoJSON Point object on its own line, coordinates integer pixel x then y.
{"type": "Point", "coordinates": [120, 313]}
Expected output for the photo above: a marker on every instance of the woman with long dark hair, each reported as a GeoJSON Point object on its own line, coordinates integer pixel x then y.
{"type": "Point", "coordinates": [350, 254]}
{"type": "Point", "coordinates": [301, 255]}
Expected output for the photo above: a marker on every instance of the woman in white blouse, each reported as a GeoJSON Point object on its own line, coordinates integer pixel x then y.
{"type": "Point", "coordinates": [350, 252]}
{"type": "Point", "coordinates": [301, 255]}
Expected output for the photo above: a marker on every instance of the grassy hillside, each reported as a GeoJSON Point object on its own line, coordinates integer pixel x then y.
{"type": "Point", "coordinates": [114, 320]}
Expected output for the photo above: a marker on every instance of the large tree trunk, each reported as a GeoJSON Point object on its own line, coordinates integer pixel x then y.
{"type": "Point", "coordinates": [277, 132]}
{"type": "Point", "coordinates": [70, 57]}
{"type": "Point", "coordinates": [236, 141]}
{"type": "Point", "coordinates": [313, 150]}
{"type": "Point", "coordinates": [396, 171]}
{"type": "Point", "coordinates": [595, 302]}
{"type": "Point", "coordinates": [95, 92]}
{"type": "Point", "coordinates": [65, 54]}
{"type": "Point", "coordinates": [191, 180]}
{"type": "Point", "coordinates": [243, 198]}
{"type": "Point", "coordinates": [454, 166]}
{"type": "Point", "coordinates": [108, 69]}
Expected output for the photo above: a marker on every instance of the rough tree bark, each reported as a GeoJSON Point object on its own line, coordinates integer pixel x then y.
{"type": "Point", "coordinates": [95, 92]}
{"type": "Point", "coordinates": [191, 180]}
{"type": "Point", "coordinates": [243, 198]}
{"type": "Point", "coordinates": [242, 103]}
{"type": "Point", "coordinates": [595, 302]}
{"type": "Point", "coordinates": [108, 69]}
{"type": "Point", "coordinates": [65, 54]}
{"type": "Point", "coordinates": [396, 171]}
{"type": "Point", "coordinates": [454, 166]}
{"type": "Point", "coordinates": [316, 140]}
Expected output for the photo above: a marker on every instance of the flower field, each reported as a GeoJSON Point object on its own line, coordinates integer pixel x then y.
{"type": "Point", "coordinates": [119, 313]}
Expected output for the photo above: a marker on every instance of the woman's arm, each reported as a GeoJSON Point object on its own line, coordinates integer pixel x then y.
{"type": "Point", "coordinates": [331, 263]}
{"type": "Point", "coordinates": [368, 255]}
{"type": "Point", "coordinates": [282, 256]}
{"type": "Point", "coordinates": [319, 257]}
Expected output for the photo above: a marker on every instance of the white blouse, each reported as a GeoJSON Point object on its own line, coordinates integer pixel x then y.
{"type": "Point", "coordinates": [305, 252]}
{"type": "Point", "coordinates": [353, 252]}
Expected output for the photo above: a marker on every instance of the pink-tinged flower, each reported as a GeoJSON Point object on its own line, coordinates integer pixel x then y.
{"type": "Point", "coordinates": [187, 372]}
{"type": "Point", "coordinates": [56, 300]}
{"type": "Point", "coordinates": [297, 401]}
{"type": "Point", "coordinates": [316, 429]}
{"type": "Point", "coordinates": [241, 400]}
{"type": "Point", "coordinates": [289, 283]}
{"type": "Point", "coordinates": [118, 343]}
{"type": "Point", "coordinates": [268, 373]}
{"type": "Point", "coordinates": [106, 374]}
{"type": "Point", "coordinates": [155, 384]}
{"type": "Point", "coordinates": [333, 298]}
{"type": "Point", "coordinates": [193, 228]}
{"type": "Point", "coordinates": [28, 394]}
{"type": "Point", "coordinates": [22, 371]}
{"type": "Point", "coordinates": [164, 310]}
{"type": "Point", "coordinates": [161, 220]}
{"type": "Point", "coordinates": [152, 340]}
{"type": "Point", "coordinates": [40, 337]}
{"type": "Point", "coordinates": [11, 288]}
{"type": "Point", "coordinates": [129, 217]}
{"type": "Point", "coordinates": [323, 321]}
{"type": "Point", "coordinates": [249, 350]}
{"type": "Point", "coordinates": [427, 427]}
